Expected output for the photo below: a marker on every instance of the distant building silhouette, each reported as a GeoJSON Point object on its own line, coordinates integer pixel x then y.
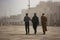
{"type": "Point", "coordinates": [48, 8]}
{"type": "Point", "coordinates": [51, 10]}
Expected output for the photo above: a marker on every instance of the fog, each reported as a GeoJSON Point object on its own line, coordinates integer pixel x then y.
{"type": "Point", "coordinates": [14, 7]}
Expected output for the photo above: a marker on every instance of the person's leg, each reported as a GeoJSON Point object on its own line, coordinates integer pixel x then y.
{"type": "Point", "coordinates": [34, 28]}
{"type": "Point", "coordinates": [43, 29]}
{"type": "Point", "coordinates": [28, 28]}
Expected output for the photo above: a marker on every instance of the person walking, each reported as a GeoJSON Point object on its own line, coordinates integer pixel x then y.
{"type": "Point", "coordinates": [26, 20]}
{"type": "Point", "coordinates": [35, 22]}
{"type": "Point", "coordinates": [43, 22]}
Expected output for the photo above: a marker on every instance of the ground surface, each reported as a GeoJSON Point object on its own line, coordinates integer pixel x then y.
{"type": "Point", "coordinates": [18, 33]}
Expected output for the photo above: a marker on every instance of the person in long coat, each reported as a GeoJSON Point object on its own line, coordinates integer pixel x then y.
{"type": "Point", "coordinates": [44, 23]}
{"type": "Point", "coordinates": [26, 20]}
{"type": "Point", "coordinates": [35, 22]}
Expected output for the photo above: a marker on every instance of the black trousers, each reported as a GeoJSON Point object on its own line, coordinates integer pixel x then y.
{"type": "Point", "coordinates": [35, 28]}
{"type": "Point", "coordinates": [27, 27]}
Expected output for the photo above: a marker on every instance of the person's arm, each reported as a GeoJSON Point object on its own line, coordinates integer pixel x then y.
{"type": "Point", "coordinates": [32, 20]}
{"type": "Point", "coordinates": [38, 20]}
{"type": "Point", "coordinates": [41, 19]}
{"type": "Point", "coordinates": [46, 19]}
{"type": "Point", "coordinates": [24, 18]}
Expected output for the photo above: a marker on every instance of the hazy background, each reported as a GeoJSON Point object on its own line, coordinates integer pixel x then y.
{"type": "Point", "coordinates": [13, 7]}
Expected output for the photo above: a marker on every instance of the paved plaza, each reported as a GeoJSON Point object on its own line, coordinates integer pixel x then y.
{"type": "Point", "coordinates": [18, 33]}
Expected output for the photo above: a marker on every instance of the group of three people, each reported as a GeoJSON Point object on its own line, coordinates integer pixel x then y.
{"type": "Point", "coordinates": [35, 22]}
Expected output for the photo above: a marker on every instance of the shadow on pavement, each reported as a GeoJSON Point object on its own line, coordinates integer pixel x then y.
{"type": "Point", "coordinates": [25, 34]}
{"type": "Point", "coordinates": [4, 39]}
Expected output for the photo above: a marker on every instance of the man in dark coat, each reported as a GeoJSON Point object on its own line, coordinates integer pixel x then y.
{"type": "Point", "coordinates": [35, 22]}
{"type": "Point", "coordinates": [43, 22]}
{"type": "Point", "coordinates": [26, 20]}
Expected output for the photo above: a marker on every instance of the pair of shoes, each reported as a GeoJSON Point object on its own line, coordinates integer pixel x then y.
{"type": "Point", "coordinates": [44, 33]}
{"type": "Point", "coordinates": [27, 33]}
{"type": "Point", "coordinates": [35, 33]}
{"type": "Point", "coordinates": [45, 30]}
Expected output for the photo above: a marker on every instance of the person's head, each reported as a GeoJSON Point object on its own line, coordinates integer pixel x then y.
{"type": "Point", "coordinates": [26, 14]}
{"type": "Point", "coordinates": [34, 14]}
{"type": "Point", "coordinates": [43, 14]}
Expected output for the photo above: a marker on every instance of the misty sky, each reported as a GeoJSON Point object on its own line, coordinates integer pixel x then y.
{"type": "Point", "coordinates": [13, 7]}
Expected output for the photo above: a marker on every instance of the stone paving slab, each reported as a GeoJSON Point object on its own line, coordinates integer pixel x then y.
{"type": "Point", "coordinates": [18, 33]}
